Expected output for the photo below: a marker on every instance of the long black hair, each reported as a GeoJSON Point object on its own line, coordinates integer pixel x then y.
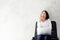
{"type": "Point", "coordinates": [47, 15]}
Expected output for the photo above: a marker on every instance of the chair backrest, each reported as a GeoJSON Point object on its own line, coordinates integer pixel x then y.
{"type": "Point", "coordinates": [54, 31]}
{"type": "Point", "coordinates": [36, 30]}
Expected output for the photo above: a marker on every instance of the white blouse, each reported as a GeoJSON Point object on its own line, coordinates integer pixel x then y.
{"type": "Point", "coordinates": [44, 27]}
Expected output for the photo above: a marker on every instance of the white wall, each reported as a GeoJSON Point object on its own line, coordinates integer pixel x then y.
{"type": "Point", "coordinates": [18, 17]}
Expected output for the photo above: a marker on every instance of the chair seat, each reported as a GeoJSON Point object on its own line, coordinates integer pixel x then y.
{"type": "Point", "coordinates": [54, 39]}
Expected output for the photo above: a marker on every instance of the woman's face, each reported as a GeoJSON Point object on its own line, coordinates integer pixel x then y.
{"type": "Point", "coordinates": [43, 16]}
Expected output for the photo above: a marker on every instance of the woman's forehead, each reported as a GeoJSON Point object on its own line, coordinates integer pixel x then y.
{"type": "Point", "coordinates": [43, 13]}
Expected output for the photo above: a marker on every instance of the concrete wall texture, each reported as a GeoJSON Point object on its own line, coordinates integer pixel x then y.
{"type": "Point", "coordinates": [18, 17]}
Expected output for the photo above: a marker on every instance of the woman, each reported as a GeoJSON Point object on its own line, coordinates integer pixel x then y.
{"type": "Point", "coordinates": [44, 26]}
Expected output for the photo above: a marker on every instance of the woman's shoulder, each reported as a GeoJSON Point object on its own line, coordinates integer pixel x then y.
{"type": "Point", "coordinates": [48, 20]}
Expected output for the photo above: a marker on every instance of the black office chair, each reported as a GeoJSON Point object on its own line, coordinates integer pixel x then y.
{"type": "Point", "coordinates": [53, 33]}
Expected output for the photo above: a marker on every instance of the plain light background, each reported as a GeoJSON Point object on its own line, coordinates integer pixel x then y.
{"type": "Point", "coordinates": [18, 17]}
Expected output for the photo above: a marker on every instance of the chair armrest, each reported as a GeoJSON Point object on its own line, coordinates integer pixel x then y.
{"type": "Point", "coordinates": [33, 38]}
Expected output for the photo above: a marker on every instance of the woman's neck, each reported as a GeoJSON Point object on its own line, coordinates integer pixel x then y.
{"type": "Point", "coordinates": [42, 20]}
